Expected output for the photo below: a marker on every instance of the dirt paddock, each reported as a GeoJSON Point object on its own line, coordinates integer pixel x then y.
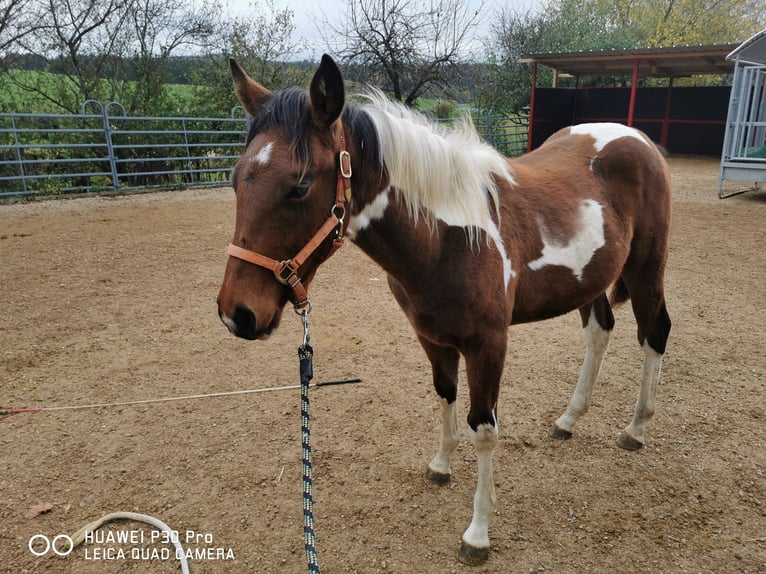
{"type": "Point", "coordinates": [110, 300]}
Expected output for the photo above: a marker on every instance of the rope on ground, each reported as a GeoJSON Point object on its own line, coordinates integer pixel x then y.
{"type": "Point", "coordinates": [6, 411]}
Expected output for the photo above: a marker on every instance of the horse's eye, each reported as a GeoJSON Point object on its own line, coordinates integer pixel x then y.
{"type": "Point", "coordinates": [300, 190]}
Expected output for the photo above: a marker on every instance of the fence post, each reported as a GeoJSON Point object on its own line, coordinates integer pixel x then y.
{"type": "Point", "coordinates": [107, 137]}
{"type": "Point", "coordinates": [189, 164]}
{"type": "Point", "coordinates": [490, 130]}
{"type": "Point", "coordinates": [17, 145]}
{"type": "Point", "coordinates": [110, 143]}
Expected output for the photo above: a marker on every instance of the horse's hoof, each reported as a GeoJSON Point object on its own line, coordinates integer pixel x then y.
{"type": "Point", "coordinates": [558, 433]}
{"type": "Point", "coordinates": [628, 442]}
{"type": "Point", "coordinates": [434, 477]}
{"type": "Point", "coordinates": [472, 556]}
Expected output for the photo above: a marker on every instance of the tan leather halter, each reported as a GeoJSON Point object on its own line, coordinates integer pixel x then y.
{"type": "Point", "coordinates": [286, 271]}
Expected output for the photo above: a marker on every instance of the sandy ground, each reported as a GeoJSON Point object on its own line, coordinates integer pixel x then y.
{"type": "Point", "coordinates": [112, 299]}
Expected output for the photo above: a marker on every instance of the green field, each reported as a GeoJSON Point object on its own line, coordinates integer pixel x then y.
{"type": "Point", "coordinates": [16, 99]}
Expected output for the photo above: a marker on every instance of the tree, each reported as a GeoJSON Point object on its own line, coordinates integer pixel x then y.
{"type": "Point", "coordinates": [566, 26]}
{"type": "Point", "coordinates": [677, 22]}
{"type": "Point", "coordinates": [406, 47]}
{"type": "Point", "coordinates": [107, 49]}
{"type": "Point", "coordinates": [262, 43]}
{"type": "Point", "coordinates": [15, 22]}
{"type": "Point", "coordinates": [572, 25]}
{"type": "Point", "coordinates": [159, 29]}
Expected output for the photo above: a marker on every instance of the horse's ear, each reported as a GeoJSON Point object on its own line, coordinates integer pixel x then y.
{"type": "Point", "coordinates": [251, 94]}
{"type": "Point", "coordinates": [327, 93]}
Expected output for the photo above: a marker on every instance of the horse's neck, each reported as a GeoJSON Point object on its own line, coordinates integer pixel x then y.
{"type": "Point", "coordinates": [391, 237]}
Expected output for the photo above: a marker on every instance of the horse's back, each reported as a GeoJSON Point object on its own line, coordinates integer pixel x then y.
{"type": "Point", "coordinates": [590, 201]}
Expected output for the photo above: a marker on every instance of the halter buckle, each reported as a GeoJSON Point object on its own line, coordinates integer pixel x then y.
{"type": "Point", "coordinates": [345, 164]}
{"type": "Point", "coordinates": [285, 273]}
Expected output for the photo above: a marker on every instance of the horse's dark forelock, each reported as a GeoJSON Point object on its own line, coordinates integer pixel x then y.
{"type": "Point", "coordinates": [289, 113]}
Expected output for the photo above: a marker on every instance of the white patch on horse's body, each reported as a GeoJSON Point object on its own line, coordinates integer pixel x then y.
{"type": "Point", "coordinates": [369, 213]}
{"type": "Point", "coordinates": [494, 234]}
{"type": "Point", "coordinates": [264, 154]}
{"type": "Point", "coordinates": [484, 440]}
{"type": "Point", "coordinates": [605, 133]}
{"type": "Point", "coordinates": [579, 250]}
{"type": "Point", "coordinates": [447, 175]}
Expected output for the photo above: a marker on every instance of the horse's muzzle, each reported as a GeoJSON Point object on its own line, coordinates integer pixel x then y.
{"type": "Point", "coordinates": [243, 324]}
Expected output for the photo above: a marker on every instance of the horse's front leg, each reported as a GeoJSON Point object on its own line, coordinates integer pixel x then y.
{"type": "Point", "coordinates": [484, 365]}
{"type": "Point", "coordinates": [444, 365]}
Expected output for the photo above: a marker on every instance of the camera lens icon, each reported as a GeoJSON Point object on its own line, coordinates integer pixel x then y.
{"type": "Point", "coordinates": [60, 545]}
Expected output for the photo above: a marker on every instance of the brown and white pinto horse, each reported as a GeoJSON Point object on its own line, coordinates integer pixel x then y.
{"type": "Point", "coordinates": [472, 242]}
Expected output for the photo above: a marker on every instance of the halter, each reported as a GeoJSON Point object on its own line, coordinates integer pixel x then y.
{"type": "Point", "coordinates": [286, 271]}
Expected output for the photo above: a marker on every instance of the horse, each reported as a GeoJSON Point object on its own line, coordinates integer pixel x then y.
{"type": "Point", "coordinates": [472, 242]}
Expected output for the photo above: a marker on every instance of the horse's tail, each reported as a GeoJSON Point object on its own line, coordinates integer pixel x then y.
{"type": "Point", "coordinates": [619, 293]}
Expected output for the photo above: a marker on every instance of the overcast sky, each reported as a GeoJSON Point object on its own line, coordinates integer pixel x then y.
{"type": "Point", "coordinates": [308, 12]}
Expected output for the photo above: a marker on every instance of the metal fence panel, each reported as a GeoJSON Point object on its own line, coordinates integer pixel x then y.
{"type": "Point", "coordinates": [109, 150]}
{"type": "Point", "coordinates": [744, 147]}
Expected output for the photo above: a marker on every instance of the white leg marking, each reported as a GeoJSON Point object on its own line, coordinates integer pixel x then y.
{"type": "Point", "coordinates": [605, 133]}
{"type": "Point", "coordinates": [576, 254]}
{"type": "Point", "coordinates": [484, 442]}
{"type": "Point", "coordinates": [596, 342]}
{"type": "Point", "coordinates": [264, 154]}
{"type": "Point", "coordinates": [369, 213]}
{"type": "Point", "coordinates": [450, 437]}
{"type": "Point", "coordinates": [645, 405]}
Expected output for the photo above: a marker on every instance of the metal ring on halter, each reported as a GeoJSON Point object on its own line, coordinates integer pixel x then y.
{"type": "Point", "coordinates": [339, 211]}
{"type": "Point", "coordinates": [304, 309]}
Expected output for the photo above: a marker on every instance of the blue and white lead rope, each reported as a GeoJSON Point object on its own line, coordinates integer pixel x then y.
{"type": "Point", "coordinates": [306, 354]}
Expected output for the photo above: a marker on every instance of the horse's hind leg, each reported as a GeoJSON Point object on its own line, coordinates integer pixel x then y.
{"type": "Point", "coordinates": [653, 330]}
{"type": "Point", "coordinates": [444, 365]}
{"type": "Point", "coordinates": [598, 322]}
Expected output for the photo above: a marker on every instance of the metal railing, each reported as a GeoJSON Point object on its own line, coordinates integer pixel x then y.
{"type": "Point", "coordinates": [506, 133]}
{"type": "Point", "coordinates": [104, 149]}
{"type": "Point", "coordinates": [744, 146]}
{"type": "Point", "coordinates": [109, 150]}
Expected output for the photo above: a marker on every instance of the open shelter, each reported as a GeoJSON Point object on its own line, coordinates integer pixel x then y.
{"type": "Point", "coordinates": [688, 120]}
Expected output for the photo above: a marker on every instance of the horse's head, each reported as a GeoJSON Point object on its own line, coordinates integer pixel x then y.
{"type": "Point", "coordinates": [286, 189]}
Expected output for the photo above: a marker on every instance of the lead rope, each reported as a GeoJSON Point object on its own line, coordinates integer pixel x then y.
{"type": "Point", "coordinates": [306, 355]}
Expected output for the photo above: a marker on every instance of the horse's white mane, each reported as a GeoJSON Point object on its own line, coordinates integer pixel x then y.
{"type": "Point", "coordinates": [439, 173]}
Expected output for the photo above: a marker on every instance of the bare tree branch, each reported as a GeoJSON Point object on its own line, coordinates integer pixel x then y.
{"type": "Point", "coordinates": [406, 46]}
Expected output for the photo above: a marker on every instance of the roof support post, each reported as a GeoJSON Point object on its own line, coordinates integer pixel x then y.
{"type": "Point", "coordinates": [633, 86]}
{"type": "Point", "coordinates": [532, 108]}
{"type": "Point", "coordinates": [666, 119]}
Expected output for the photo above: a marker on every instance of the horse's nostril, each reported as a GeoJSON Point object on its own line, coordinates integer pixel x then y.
{"type": "Point", "coordinates": [244, 320]}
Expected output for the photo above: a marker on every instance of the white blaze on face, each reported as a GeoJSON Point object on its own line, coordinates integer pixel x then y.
{"type": "Point", "coordinates": [264, 154]}
{"type": "Point", "coordinates": [605, 133]}
{"type": "Point", "coordinates": [577, 252]}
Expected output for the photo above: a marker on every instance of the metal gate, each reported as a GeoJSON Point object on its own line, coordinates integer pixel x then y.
{"type": "Point", "coordinates": [47, 154]}
{"type": "Point", "coordinates": [744, 146]}
{"type": "Point", "coordinates": [104, 149]}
